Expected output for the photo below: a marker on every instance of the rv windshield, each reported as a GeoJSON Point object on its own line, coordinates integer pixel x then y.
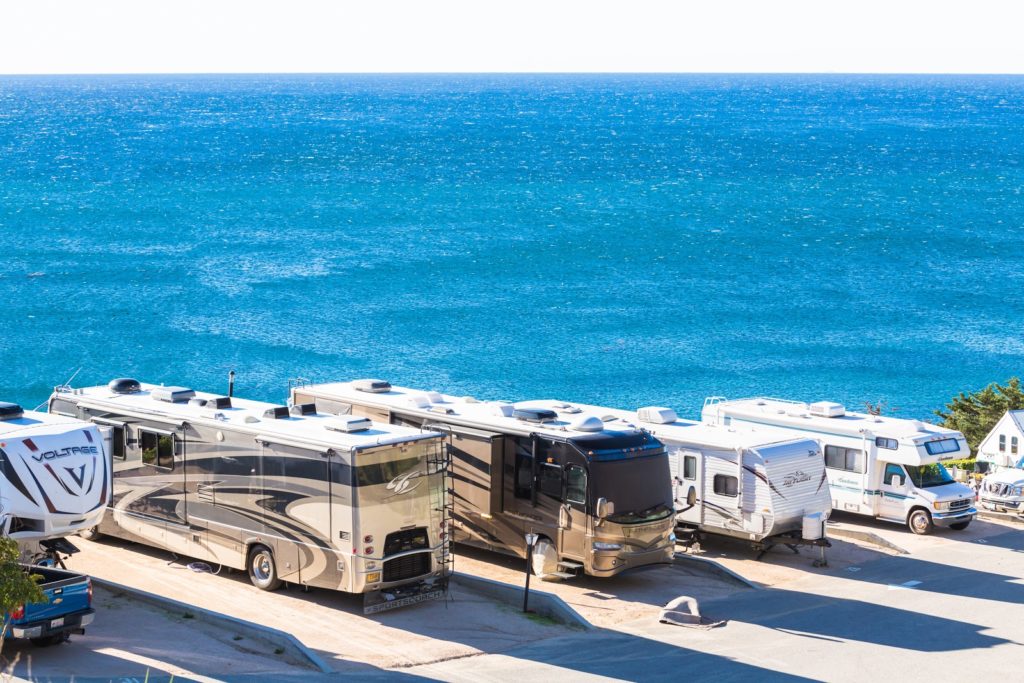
{"type": "Point", "coordinates": [640, 488]}
{"type": "Point", "coordinates": [925, 476]}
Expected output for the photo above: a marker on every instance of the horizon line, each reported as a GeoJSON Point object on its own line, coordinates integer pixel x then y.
{"type": "Point", "coordinates": [512, 73]}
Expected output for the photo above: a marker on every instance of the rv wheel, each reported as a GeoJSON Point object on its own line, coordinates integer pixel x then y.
{"type": "Point", "coordinates": [960, 526]}
{"type": "Point", "coordinates": [262, 570]}
{"type": "Point", "coordinates": [90, 534]}
{"type": "Point", "coordinates": [544, 560]}
{"type": "Point", "coordinates": [920, 522]}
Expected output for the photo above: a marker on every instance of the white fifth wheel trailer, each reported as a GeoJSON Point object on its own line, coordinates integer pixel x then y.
{"type": "Point", "coordinates": [286, 493]}
{"type": "Point", "coordinates": [54, 475]}
{"type": "Point", "coordinates": [880, 466]}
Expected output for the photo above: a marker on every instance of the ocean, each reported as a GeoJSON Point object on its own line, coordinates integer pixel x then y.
{"type": "Point", "coordinates": [618, 240]}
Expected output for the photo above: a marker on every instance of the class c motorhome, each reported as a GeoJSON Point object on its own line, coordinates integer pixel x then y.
{"type": "Point", "coordinates": [880, 466]}
{"type": "Point", "coordinates": [597, 496]}
{"type": "Point", "coordinates": [288, 494]}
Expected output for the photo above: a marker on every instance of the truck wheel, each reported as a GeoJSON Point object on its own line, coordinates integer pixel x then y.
{"type": "Point", "coordinates": [262, 570]}
{"type": "Point", "coordinates": [544, 559]}
{"type": "Point", "coordinates": [920, 522]}
{"type": "Point", "coordinates": [960, 526]}
{"type": "Point", "coordinates": [47, 641]}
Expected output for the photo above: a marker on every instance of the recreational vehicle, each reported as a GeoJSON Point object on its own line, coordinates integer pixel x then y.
{"type": "Point", "coordinates": [764, 487]}
{"type": "Point", "coordinates": [54, 475]}
{"type": "Point", "coordinates": [598, 497]}
{"type": "Point", "coordinates": [288, 494]}
{"type": "Point", "coordinates": [883, 467]}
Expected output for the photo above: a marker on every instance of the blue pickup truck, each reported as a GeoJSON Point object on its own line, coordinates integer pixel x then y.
{"type": "Point", "coordinates": [68, 611]}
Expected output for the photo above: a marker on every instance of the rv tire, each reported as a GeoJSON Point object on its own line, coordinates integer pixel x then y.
{"type": "Point", "coordinates": [920, 522]}
{"type": "Point", "coordinates": [263, 569]}
{"type": "Point", "coordinates": [90, 534]}
{"type": "Point", "coordinates": [960, 526]}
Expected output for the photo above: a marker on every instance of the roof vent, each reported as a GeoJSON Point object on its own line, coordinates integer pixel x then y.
{"type": "Point", "coordinates": [372, 386]}
{"type": "Point", "coordinates": [443, 410]}
{"type": "Point", "coordinates": [469, 399]}
{"type": "Point", "coordinates": [567, 408]}
{"type": "Point", "coordinates": [418, 400]}
{"type": "Point", "coordinates": [827, 409]}
{"type": "Point", "coordinates": [587, 423]}
{"type": "Point", "coordinates": [10, 411]}
{"type": "Point", "coordinates": [218, 402]}
{"type": "Point", "coordinates": [348, 424]}
{"type": "Point", "coordinates": [276, 413]}
{"type": "Point", "coordinates": [502, 409]}
{"type": "Point", "coordinates": [124, 385]}
{"type": "Point", "coordinates": [657, 416]}
{"type": "Point", "coordinates": [435, 397]}
{"type": "Point", "coordinates": [303, 409]}
{"type": "Point", "coordinates": [538, 415]}
{"type": "Point", "coordinates": [171, 394]}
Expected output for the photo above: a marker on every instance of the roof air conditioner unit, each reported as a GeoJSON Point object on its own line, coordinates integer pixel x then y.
{"type": "Point", "coordinates": [348, 424]}
{"type": "Point", "coordinates": [418, 400]}
{"type": "Point", "coordinates": [657, 416]}
{"type": "Point", "coordinates": [827, 409]}
{"type": "Point", "coordinates": [372, 386]}
{"type": "Point", "coordinates": [502, 409]}
{"type": "Point", "coordinates": [171, 394]}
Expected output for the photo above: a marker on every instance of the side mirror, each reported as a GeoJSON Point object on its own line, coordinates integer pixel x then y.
{"type": "Point", "coordinates": [897, 481]}
{"type": "Point", "coordinates": [563, 517]}
{"type": "Point", "coordinates": [605, 508]}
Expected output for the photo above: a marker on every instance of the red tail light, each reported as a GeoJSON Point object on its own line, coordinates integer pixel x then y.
{"type": "Point", "coordinates": [368, 550]}
{"type": "Point", "coordinates": [18, 613]}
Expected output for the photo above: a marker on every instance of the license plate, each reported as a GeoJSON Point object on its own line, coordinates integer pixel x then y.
{"type": "Point", "coordinates": [57, 623]}
{"type": "Point", "coordinates": [403, 602]}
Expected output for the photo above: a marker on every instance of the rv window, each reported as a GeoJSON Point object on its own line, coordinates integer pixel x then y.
{"type": "Point", "coordinates": [689, 467]}
{"type": "Point", "coordinates": [1002, 443]}
{"type": "Point", "coordinates": [551, 480]}
{"type": "Point", "coordinates": [576, 485]}
{"type": "Point", "coordinates": [891, 444]}
{"type": "Point", "coordinates": [157, 449]}
{"type": "Point", "coordinates": [848, 459]}
{"type": "Point", "coordinates": [524, 475]}
{"type": "Point", "coordinates": [117, 443]}
{"type": "Point", "coordinates": [943, 446]}
{"type": "Point", "coordinates": [894, 471]}
{"type": "Point", "coordinates": [726, 485]}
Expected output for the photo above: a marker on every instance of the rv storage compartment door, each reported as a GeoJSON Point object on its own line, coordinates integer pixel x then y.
{"type": "Point", "coordinates": [476, 468]}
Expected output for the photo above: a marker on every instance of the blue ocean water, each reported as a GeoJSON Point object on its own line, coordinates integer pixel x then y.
{"type": "Point", "coordinates": [621, 240]}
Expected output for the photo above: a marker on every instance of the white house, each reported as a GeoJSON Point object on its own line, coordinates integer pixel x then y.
{"type": "Point", "coordinates": [1004, 446]}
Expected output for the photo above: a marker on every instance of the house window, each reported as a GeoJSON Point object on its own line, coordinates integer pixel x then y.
{"type": "Point", "coordinates": [883, 442]}
{"type": "Point", "coordinates": [1002, 443]}
{"type": "Point", "coordinates": [1013, 445]}
{"type": "Point", "coordinates": [689, 467]}
{"type": "Point", "coordinates": [848, 459]}
{"type": "Point", "coordinates": [726, 485]}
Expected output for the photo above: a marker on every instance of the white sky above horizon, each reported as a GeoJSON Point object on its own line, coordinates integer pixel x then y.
{"type": "Point", "coordinates": [321, 36]}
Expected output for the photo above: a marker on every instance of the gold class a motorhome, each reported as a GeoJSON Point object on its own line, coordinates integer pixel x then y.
{"type": "Point", "coordinates": [285, 493]}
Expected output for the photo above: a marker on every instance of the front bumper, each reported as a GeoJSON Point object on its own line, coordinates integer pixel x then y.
{"type": "Point", "coordinates": [1013, 504]}
{"type": "Point", "coordinates": [606, 563]}
{"type": "Point", "coordinates": [949, 518]}
{"type": "Point", "coordinates": [50, 627]}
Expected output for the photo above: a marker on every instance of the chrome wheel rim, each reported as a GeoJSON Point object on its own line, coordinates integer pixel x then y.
{"type": "Point", "coordinates": [261, 567]}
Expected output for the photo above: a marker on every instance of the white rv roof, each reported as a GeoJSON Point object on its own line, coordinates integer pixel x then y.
{"type": "Point", "coordinates": [32, 422]}
{"type": "Point", "coordinates": [246, 416]}
{"type": "Point", "coordinates": [469, 412]}
{"type": "Point", "coordinates": [794, 414]}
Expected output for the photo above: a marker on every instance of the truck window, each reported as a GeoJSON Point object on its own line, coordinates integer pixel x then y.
{"type": "Point", "coordinates": [576, 485]}
{"type": "Point", "coordinates": [891, 471]}
{"type": "Point", "coordinates": [847, 459]}
{"type": "Point", "coordinates": [551, 480]}
{"type": "Point", "coordinates": [726, 485]}
{"type": "Point", "coordinates": [689, 467]}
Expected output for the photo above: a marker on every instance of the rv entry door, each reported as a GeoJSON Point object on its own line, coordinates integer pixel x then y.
{"type": "Point", "coordinates": [688, 483]}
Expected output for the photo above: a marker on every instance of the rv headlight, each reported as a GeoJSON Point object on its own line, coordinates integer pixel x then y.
{"type": "Point", "coordinates": [600, 545]}
{"type": "Point", "coordinates": [940, 505]}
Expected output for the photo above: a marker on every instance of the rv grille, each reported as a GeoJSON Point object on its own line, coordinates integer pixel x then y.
{"type": "Point", "coordinates": [402, 541]}
{"type": "Point", "coordinates": [960, 504]}
{"type": "Point", "coordinates": [407, 567]}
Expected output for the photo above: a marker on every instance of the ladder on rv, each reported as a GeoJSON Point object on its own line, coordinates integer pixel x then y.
{"type": "Point", "coordinates": [443, 506]}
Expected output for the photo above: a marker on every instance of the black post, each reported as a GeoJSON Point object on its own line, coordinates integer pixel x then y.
{"type": "Point", "coordinates": [231, 383]}
{"type": "Point", "coordinates": [526, 593]}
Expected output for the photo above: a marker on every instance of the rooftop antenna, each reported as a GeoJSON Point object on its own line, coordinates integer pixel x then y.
{"type": "Point", "coordinates": [231, 383]}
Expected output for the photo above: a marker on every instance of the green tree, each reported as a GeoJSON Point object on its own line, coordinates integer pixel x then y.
{"type": "Point", "coordinates": [17, 587]}
{"type": "Point", "coordinates": [976, 413]}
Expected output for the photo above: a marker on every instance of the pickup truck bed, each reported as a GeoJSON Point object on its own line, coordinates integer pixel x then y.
{"type": "Point", "coordinates": [68, 611]}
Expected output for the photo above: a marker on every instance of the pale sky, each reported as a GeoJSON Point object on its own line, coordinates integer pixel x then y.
{"type": "Point", "coordinates": [258, 36]}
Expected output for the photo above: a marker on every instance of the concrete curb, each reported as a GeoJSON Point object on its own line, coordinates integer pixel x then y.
{"type": "Point", "coordinates": [719, 569]}
{"type": "Point", "coordinates": [1000, 517]}
{"type": "Point", "coordinates": [294, 650]}
{"type": "Point", "coordinates": [543, 603]}
{"type": "Point", "coordinates": [866, 536]}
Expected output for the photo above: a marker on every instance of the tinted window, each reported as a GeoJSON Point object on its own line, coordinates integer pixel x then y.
{"type": "Point", "coordinates": [551, 480]}
{"type": "Point", "coordinates": [117, 450]}
{"type": "Point", "coordinates": [524, 468]}
{"type": "Point", "coordinates": [157, 449]}
{"type": "Point", "coordinates": [726, 485]}
{"type": "Point", "coordinates": [894, 471]}
{"type": "Point", "coordinates": [576, 485]}
{"type": "Point", "coordinates": [943, 446]}
{"type": "Point", "coordinates": [689, 467]}
{"type": "Point", "coordinates": [848, 459]}
{"type": "Point", "coordinates": [891, 444]}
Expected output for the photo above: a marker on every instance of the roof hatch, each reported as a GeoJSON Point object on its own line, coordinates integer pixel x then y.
{"type": "Point", "coordinates": [10, 411]}
{"type": "Point", "coordinates": [372, 386]}
{"type": "Point", "coordinates": [538, 415]}
{"type": "Point", "coordinates": [171, 394]}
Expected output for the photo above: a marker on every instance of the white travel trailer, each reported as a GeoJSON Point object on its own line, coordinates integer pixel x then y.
{"type": "Point", "coordinates": [884, 467]}
{"type": "Point", "coordinates": [767, 487]}
{"type": "Point", "coordinates": [1001, 455]}
{"type": "Point", "coordinates": [288, 494]}
{"type": "Point", "coordinates": [597, 496]}
{"type": "Point", "coordinates": [54, 475]}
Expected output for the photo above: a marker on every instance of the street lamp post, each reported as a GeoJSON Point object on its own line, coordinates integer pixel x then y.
{"type": "Point", "coordinates": [531, 540]}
